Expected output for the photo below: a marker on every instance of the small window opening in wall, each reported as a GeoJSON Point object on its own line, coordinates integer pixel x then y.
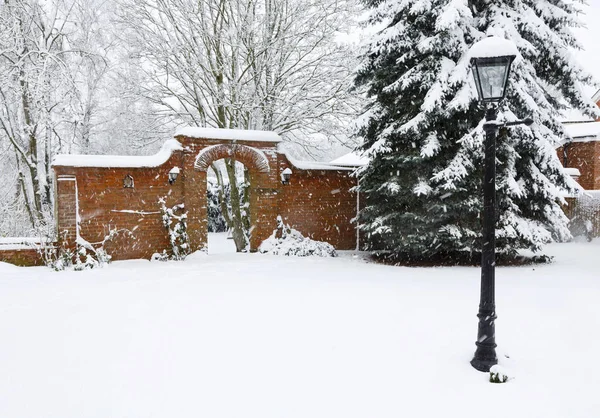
{"type": "Point", "coordinates": [128, 182]}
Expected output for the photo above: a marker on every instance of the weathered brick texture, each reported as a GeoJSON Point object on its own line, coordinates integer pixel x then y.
{"type": "Point", "coordinates": [318, 203]}
{"type": "Point", "coordinates": [321, 204]}
{"type": "Point", "coordinates": [584, 156]}
{"type": "Point", "coordinates": [22, 257]}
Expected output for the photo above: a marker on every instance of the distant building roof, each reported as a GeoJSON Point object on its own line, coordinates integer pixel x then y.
{"type": "Point", "coordinates": [583, 131]}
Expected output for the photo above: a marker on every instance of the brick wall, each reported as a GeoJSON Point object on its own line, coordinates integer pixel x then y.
{"type": "Point", "coordinates": [318, 203]}
{"type": "Point", "coordinates": [21, 257]}
{"type": "Point", "coordinates": [584, 156]}
{"type": "Point", "coordinates": [321, 205]}
{"type": "Point", "coordinates": [105, 205]}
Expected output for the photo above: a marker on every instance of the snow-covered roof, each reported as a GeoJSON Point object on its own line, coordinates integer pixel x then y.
{"type": "Point", "coordinates": [116, 161]}
{"type": "Point", "coordinates": [229, 134]}
{"type": "Point", "coordinates": [583, 131]}
{"type": "Point", "coordinates": [313, 165]}
{"type": "Point", "coordinates": [596, 96]}
{"type": "Point", "coordinates": [352, 159]}
{"type": "Point", "coordinates": [493, 46]}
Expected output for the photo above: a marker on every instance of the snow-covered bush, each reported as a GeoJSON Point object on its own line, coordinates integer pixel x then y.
{"type": "Point", "coordinates": [176, 226]}
{"type": "Point", "coordinates": [85, 257]}
{"type": "Point", "coordinates": [216, 222]}
{"type": "Point", "coordinates": [498, 375]}
{"type": "Point", "coordinates": [288, 241]}
{"type": "Point", "coordinates": [586, 215]}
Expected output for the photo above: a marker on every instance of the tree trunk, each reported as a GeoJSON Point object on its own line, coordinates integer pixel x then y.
{"type": "Point", "coordinates": [240, 236]}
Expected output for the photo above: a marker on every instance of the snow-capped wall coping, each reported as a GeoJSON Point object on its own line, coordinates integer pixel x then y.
{"type": "Point", "coordinates": [119, 161]}
{"type": "Point", "coordinates": [573, 172]}
{"type": "Point", "coordinates": [352, 159]}
{"type": "Point", "coordinates": [314, 165]}
{"type": "Point", "coordinates": [229, 134]}
{"type": "Point", "coordinates": [583, 131]}
{"type": "Point", "coordinates": [493, 46]}
{"type": "Point", "coordinates": [21, 243]}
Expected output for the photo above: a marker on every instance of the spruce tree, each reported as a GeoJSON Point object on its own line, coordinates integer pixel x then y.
{"type": "Point", "coordinates": [422, 126]}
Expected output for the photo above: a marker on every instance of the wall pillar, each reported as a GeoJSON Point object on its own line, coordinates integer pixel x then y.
{"type": "Point", "coordinates": [195, 206]}
{"type": "Point", "coordinates": [264, 208]}
{"type": "Point", "coordinates": [66, 211]}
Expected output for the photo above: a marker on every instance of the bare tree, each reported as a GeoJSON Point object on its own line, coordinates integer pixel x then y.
{"type": "Point", "coordinates": [246, 64]}
{"type": "Point", "coordinates": [33, 83]}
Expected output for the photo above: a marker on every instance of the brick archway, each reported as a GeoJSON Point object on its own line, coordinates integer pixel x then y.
{"type": "Point", "coordinates": [254, 159]}
{"type": "Point", "coordinates": [259, 156]}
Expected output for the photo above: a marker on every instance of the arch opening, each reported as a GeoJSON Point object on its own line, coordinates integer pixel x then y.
{"type": "Point", "coordinates": [229, 206]}
{"type": "Point", "coordinates": [252, 158]}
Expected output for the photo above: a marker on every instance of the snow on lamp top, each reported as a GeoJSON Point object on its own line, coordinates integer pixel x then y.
{"type": "Point", "coordinates": [493, 46]}
{"type": "Point", "coordinates": [491, 59]}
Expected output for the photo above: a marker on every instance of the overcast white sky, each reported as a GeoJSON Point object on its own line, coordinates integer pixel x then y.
{"type": "Point", "coordinates": [590, 38]}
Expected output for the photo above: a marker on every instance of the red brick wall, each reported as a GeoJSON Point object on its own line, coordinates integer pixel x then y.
{"type": "Point", "coordinates": [320, 205]}
{"type": "Point", "coordinates": [317, 202]}
{"type": "Point", "coordinates": [23, 257]}
{"type": "Point", "coordinates": [105, 205]}
{"type": "Point", "coordinates": [584, 156]}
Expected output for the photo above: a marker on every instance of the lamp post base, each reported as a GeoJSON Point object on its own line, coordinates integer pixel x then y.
{"type": "Point", "coordinates": [485, 358]}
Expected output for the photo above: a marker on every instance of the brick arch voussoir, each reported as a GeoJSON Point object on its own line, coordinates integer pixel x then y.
{"type": "Point", "coordinates": [252, 158]}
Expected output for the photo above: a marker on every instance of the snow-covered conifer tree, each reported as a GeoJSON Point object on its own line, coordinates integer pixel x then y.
{"type": "Point", "coordinates": [422, 125]}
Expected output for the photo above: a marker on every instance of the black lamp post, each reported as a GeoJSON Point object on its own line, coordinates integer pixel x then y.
{"type": "Point", "coordinates": [491, 59]}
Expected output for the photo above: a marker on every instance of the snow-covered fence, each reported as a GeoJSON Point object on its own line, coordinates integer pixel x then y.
{"type": "Point", "coordinates": [584, 213]}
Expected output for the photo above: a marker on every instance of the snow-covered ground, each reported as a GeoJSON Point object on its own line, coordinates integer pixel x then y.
{"type": "Point", "coordinates": [219, 243]}
{"type": "Point", "coordinates": [250, 335]}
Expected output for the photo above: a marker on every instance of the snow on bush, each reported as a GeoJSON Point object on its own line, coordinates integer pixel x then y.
{"type": "Point", "coordinates": [85, 257]}
{"type": "Point", "coordinates": [288, 241]}
{"type": "Point", "coordinates": [176, 226]}
{"type": "Point", "coordinates": [586, 213]}
{"type": "Point", "coordinates": [216, 221]}
{"type": "Point", "coordinates": [498, 375]}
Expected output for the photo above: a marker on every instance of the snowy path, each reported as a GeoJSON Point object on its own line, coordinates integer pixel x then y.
{"type": "Point", "coordinates": [248, 335]}
{"type": "Point", "coordinates": [218, 243]}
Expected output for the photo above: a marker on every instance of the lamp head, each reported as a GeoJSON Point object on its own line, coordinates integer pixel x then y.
{"type": "Point", "coordinates": [491, 60]}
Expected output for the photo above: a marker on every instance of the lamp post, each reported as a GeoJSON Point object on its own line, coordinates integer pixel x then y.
{"type": "Point", "coordinates": [491, 59]}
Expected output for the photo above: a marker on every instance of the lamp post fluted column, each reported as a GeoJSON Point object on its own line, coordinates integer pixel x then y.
{"type": "Point", "coordinates": [491, 59]}
{"type": "Point", "coordinates": [485, 354]}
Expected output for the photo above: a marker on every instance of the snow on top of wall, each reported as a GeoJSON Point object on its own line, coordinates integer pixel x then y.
{"type": "Point", "coordinates": [572, 171]}
{"type": "Point", "coordinates": [493, 46]}
{"type": "Point", "coordinates": [20, 240]}
{"type": "Point", "coordinates": [117, 161]}
{"type": "Point", "coordinates": [20, 243]}
{"type": "Point", "coordinates": [352, 159]}
{"type": "Point", "coordinates": [314, 165]}
{"type": "Point", "coordinates": [229, 134]}
{"type": "Point", "coordinates": [578, 131]}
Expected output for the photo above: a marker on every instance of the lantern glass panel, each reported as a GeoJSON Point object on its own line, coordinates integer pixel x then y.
{"type": "Point", "coordinates": [491, 76]}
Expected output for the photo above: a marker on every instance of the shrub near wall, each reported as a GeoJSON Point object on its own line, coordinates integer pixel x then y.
{"type": "Point", "coordinates": [584, 213]}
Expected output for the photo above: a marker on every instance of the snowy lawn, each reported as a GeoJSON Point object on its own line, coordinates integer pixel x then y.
{"type": "Point", "coordinates": [238, 335]}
